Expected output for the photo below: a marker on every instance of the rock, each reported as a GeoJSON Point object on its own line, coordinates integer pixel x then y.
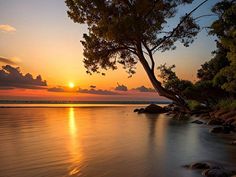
{"type": "Point", "coordinates": [228, 129]}
{"type": "Point", "coordinates": [230, 121]}
{"type": "Point", "coordinates": [199, 165]}
{"type": "Point", "coordinates": [225, 130]}
{"type": "Point", "coordinates": [215, 122]}
{"type": "Point", "coordinates": [216, 130]}
{"type": "Point", "coordinates": [205, 116]}
{"type": "Point", "coordinates": [141, 110]}
{"type": "Point", "coordinates": [136, 110]}
{"type": "Point", "coordinates": [233, 142]}
{"type": "Point", "coordinates": [217, 173]}
{"type": "Point", "coordinates": [203, 166]}
{"type": "Point", "coordinates": [197, 122]}
{"type": "Point", "coordinates": [154, 109]}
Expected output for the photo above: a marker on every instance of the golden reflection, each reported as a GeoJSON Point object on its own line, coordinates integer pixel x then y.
{"type": "Point", "coordinates": [72, 123]}
{"type": "Point", "coordinates": [74, 145]}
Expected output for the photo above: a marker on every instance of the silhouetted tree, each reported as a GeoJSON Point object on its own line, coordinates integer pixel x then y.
{"type": "Point", "coordinates": [225, 29]}
{"type": "Point", "coordinates": [131, 31]}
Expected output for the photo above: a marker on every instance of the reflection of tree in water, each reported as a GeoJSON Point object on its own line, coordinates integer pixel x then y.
{"type": "Point", "coordinates": [152, 120]}
{"type": "Point", "coordinates": [152, 151]}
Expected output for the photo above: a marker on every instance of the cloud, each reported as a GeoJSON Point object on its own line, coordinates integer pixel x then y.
{"type": "Point", "coordinates": [11, 77]}
{"type": "Point", "coordinates": [7, 61]}
{"type": "Point", "coordinates": [56, 89]}
{"type": "Point", "coordinates": [97, 91]}
{"type": "Point", "coordinates": [121, 87]}
{"type": "Point", "coordinates": [144, 89]}
{"type": "Point", "coordinates": [92, 86]}
{"type": "Point", "coordinates": [7, 28]}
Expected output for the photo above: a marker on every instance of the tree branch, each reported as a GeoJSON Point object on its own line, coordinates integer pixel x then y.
{"type": "Point", "coordinates": [150, 56]}
{"type": "Point", "coordinates": [180, 23]}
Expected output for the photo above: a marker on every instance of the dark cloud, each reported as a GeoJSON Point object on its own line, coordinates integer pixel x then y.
{"type": "Point", "coordinates": [144, 89]}
{"type": "Point", "coordinates": [7, 61]}
{"type": "Point", "coordinates": [121, 87]}
{"type": "Point", "coordinates": [92, 86]}
{"type": "Point", "coordinates": [56, 89]}
{"type": "Point", "coordinates": [11, 77]}
{"type": "Point", "coordinates": [97, 91]}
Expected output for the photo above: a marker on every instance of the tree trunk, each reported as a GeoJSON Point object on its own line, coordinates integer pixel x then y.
{"type": "Point", "coordinates": [157, 84]}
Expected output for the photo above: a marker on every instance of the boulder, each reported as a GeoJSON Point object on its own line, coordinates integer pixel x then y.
{"type": "Point", "coordinates": [199, 166]}
{"type": "Point", "coordinates": [215, 122]}
{"type": "Point", "coordinates": [216, 130]}
{"type": "Point", "coordinates": [222, 129]}
{"type": "Point", "coordinates": [197, 122]}
{"type": "Point", "coordinates": [141, 110]}
{"type": "Point", "coordinates": [233, 142]}
{"type": "Point", "coordinates": [154, 109]}
{"type": "Point", "coordinates": [217, 173]}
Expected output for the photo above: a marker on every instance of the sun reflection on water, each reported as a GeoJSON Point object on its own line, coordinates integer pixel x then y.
{"type": "Point", "coordinates": [74, 146]}
{"type": "Point", "coordinates": [72, 123]}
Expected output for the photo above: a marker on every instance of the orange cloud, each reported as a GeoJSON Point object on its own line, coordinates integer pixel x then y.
{"type": "Point", "coordinates": [7, 28]}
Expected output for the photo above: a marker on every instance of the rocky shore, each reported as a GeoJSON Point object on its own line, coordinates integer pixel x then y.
{"type": "Point", "coordinates": [219, 121]}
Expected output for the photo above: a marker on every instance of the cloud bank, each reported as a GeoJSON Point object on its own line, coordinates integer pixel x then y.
{"type": "Point", "coordinates": [11, 77]}
{"type": "Point", "coordinates": [7, 61]}
{"type": "Point", "coordinates": [97, 91]}
{"type": "Point", "coordinates": [121, 88]}
{"type": "Point", "coordinates": [56, 89]}
{"type": "Point", "coordinates": [144, 89]}
{"type": "Point", "coordinates": [7, 28]}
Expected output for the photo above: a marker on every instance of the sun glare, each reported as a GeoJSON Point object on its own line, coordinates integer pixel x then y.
{"type": "Point", "coordinates": [71, 85]}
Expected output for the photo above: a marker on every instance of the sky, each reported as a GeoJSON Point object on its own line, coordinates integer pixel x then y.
{"type": "Point", "coordinates": [38, 38]}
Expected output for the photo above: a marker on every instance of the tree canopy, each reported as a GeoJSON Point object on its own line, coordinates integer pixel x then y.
{"type": "Point", "coordinates": [131, 31]}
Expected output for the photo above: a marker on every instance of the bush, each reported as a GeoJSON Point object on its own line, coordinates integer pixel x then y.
{"type": "Point", "coordinates": [227, 104]}
{"type": "Point", "coordinates": [194, 105]}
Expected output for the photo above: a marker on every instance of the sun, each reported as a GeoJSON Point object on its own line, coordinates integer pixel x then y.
{"type": "Point", "coordinates": [71, 85]}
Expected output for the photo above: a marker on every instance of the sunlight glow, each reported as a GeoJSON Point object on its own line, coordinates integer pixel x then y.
{"type": "Point", "coordinates": [71, 85]}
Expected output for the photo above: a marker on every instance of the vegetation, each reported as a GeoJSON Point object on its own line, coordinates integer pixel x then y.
{"type": "Point", "coordinates": [216, 86]}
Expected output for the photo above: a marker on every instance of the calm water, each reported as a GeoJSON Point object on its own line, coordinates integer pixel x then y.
{"type": "Point", "coordinates": [103, 141]}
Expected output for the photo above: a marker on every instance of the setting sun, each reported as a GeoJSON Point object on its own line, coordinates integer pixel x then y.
{"type": "Point", "coordinates": [71, 85]}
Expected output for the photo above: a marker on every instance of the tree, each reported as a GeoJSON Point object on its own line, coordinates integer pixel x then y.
{"type": "Point", "coordinates": [225, 29]}
{"type": "Point", "coordinates": [172, 82]}
{"type": "Point", "coordinates": [131, 31]}
{"type": "Point", "coordinates": [209, 69]}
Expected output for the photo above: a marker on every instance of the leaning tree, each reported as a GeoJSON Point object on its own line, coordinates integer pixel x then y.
{"type": "Point", "coordinates": [131, 31]}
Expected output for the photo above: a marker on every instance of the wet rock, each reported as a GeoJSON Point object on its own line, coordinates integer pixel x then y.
{"type": "Point", "coordinates": [215, 122]}
{"type": "Point", "coordinates": [205, 116]}
{"type": "Point", "coordinates": [154, 109]}
{"type": "Point", "coordinates": [199, 165]}
{"type": "Point", "coordinates": [203, 166]}
{"type": "Point", "coordinates": [230, 121]}
{"type": "Point", "coordinates": [141, 110]}
{"type": "Point", "coordinates": [225, 130]}
{"type": "Point", "coordinates": [233, 143]}
{"type": "Point", "coordinates": [216, 130]}
{"type": "Point", "coordinates": [197, 122]}
{"type": "Point", "coordinates": [217, 173]}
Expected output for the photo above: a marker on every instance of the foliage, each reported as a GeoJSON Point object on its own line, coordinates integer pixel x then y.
{"type": "Point", "coordinates": [171, 81]}
{"type": "Point", "coordinates": [194, 105]}
{"type": "Point", "coordinates": [209, 69]}
{"type": "Point", "coordinates": [225, 29]}
{"type": "Point", "coordinates": [227, 104]}
{"type": "Point", "coordinates": [117, 30]}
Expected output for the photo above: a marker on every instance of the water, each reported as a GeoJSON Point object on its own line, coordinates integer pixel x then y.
{"type": "Point", "coordinates": [103, 141]}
